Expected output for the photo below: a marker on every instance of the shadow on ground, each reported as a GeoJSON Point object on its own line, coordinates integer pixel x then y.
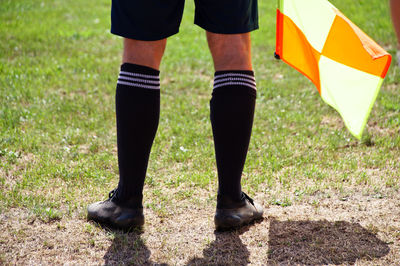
{"type": "Point", "coordinates": [128, 249]}
{"type": "Point", "coordinates": [322, 242]}
{"type": "Point", "coordinates": [226, 249]}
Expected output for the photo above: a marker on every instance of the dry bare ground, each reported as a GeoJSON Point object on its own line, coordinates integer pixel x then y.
{"type": "Point", "coordinates": [356, 230]}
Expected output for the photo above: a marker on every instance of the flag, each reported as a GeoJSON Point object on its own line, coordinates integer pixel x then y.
{"type": "Point", "coordinates": [346, 66]}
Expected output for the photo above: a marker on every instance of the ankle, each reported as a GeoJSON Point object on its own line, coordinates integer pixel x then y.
{"type": "Point", "coordinates": [131, 201]}
{"type": "Point", "coordinates": [229, 202]}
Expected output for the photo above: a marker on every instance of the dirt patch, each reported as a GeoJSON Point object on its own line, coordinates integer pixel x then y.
{"type": "Point", "coordinates": [376, 130]}
{"type": "Point", "coordinates": [25, 160]}
{"type": "Point", "coordinates": [333, 122]}
{"type": "Point", "coordinates": [360, 230]}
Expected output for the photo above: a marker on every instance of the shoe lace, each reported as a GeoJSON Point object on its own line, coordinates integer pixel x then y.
{"type": "Point", "coordinates": [113, 194]}
{"type": "Point", "coordinates": [248, 198]}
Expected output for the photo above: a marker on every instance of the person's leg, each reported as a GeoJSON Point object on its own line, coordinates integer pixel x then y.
{"type": "Point", "coordinates": [144, 25]}
{"type": "Point", "coordinates": [231, 112]}
{"type": "Point", "coordinates": [137, 103]}
{"type": "Point", "coordinates": [395, 10]}
{"type": "Point", "coordinates": [230, 51]}
{"type": "Point", "coordinates": [232, 107]}
{"type": "Point", "coordinates": [145, 53]}
{"type": "Point", "coordinates": [137, 108]}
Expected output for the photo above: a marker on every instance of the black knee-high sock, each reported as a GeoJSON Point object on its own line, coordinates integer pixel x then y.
{"type": "Point", "coordinates": [232, 111]}
{"type": "Point", "coordinates": [138, 110]}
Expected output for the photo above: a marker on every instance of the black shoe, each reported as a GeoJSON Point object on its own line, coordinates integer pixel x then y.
{"type": "Point", "coordinates": [115, 214]}
{"type": "Point", "coordinates": [245, 212]}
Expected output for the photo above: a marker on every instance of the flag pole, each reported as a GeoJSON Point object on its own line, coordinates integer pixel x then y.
{"type": "Point", "coordinates": [277, 57]}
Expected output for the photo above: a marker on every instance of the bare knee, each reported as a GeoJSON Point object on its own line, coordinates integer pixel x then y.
{"type": "Point", "coordinates": [230, 51]}
{"type": "Point", "coordinates": [145, 53]}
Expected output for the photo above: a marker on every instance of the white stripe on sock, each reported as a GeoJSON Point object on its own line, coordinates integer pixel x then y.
{"type": "Point", "coordinates": [139, 80]}
{"type": "Point", "coordinates": [139, 75]}
{"type": "Point", "coordinates": [234, 75]}
{"type": "Point", "coordinates": [235, 83]}
{"type": "Point", "coordinates": [138, 85]}
{"type": "Point", "coordinates": [234, 79]}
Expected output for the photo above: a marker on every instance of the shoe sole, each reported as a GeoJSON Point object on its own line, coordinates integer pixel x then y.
{"type": "Point", "coordinates": [227, 223]}
{"type": "Point", "coordinates": [108, 224]}
{"type": "Point", "coordinates": [137, 224]}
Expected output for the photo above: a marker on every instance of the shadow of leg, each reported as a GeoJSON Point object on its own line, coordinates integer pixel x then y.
{"type": "Point", "coordinates": [322, 242]}
{"type": "Point", "coordinates": [226, 249]}
{"type": "Point", "coordinates": [127, 249]}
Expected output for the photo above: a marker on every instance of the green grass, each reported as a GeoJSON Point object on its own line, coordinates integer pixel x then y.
{"type": "Point", "coordinates": [58, 70]}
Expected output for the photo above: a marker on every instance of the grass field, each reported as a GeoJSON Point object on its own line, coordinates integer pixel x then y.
{"type": "Point", "coordinates": [329, 198]}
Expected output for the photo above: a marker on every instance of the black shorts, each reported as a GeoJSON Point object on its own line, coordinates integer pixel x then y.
{"type": "Point", "coordinates": [151, 20]}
